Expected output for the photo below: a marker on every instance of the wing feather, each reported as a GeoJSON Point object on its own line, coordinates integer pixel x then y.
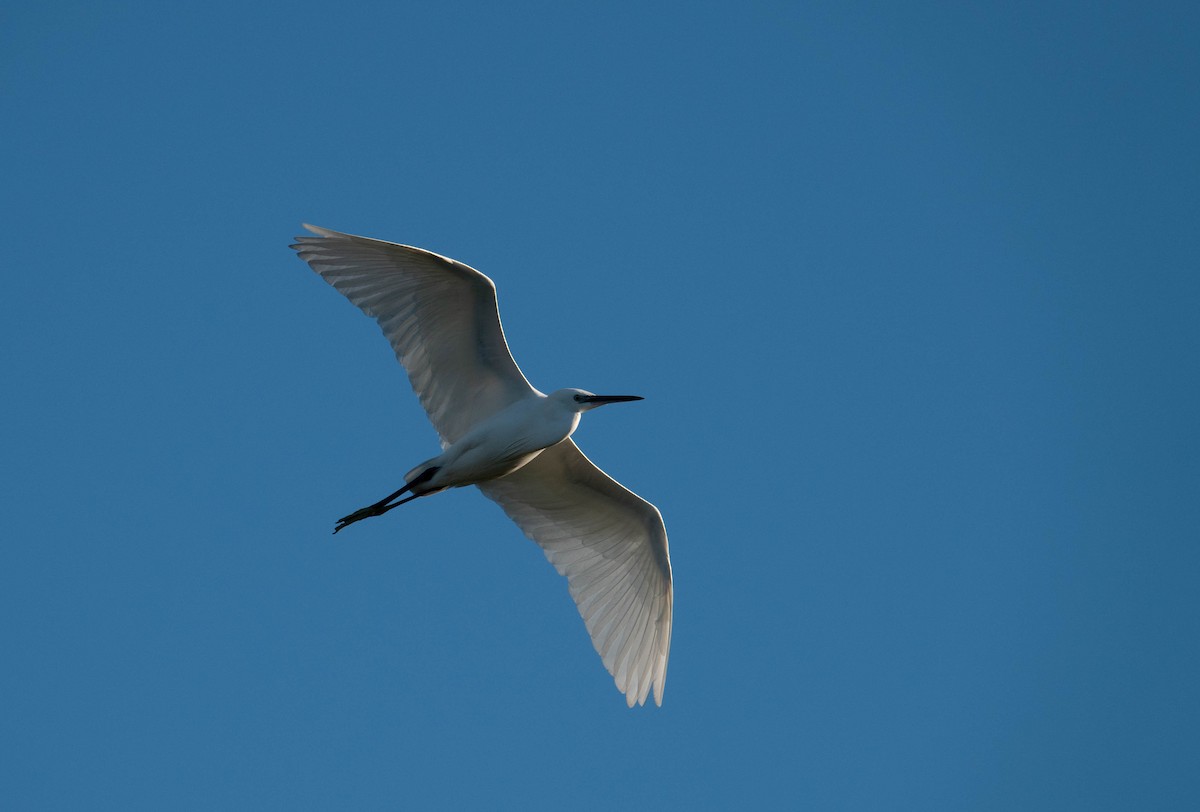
{"type": "Point", "coordinates": [439, 315]}
{"type": "Point", "coordinates": [612, 547]}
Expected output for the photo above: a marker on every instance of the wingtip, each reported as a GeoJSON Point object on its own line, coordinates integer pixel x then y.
{"type": "Point", "coordinates": [308, 239]}
{"type": "Point", "coordinates": [635, 695]}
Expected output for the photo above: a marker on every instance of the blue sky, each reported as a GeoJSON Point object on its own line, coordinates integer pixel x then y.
{"type": "Point", "coordinates": [911, 293]}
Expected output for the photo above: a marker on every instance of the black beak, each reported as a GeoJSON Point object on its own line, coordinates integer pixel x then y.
{"type": "Point", "coordinates": [600, 400]}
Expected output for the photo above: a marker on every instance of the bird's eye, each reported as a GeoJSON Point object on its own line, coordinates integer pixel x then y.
{"type": "Point", "coordinates": [579, 398]}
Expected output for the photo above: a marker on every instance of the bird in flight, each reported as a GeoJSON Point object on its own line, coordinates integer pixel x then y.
{"type": "Point", "coordinates": [513, 443]}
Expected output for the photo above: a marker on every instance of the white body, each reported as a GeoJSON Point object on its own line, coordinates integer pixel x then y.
{"type": "Point", "coordinates": [502, 443]}
{"type": "Point", "coordinates": [513, 442]}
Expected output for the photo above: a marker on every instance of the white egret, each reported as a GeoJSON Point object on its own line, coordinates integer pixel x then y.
{"type": "Point", "coordinates": [512, 442]}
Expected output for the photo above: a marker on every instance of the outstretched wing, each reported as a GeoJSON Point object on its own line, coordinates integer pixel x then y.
{"type": "Point", "coordinates": [612, 547]}
{"type": "Point", "coordinates": [440, 317]}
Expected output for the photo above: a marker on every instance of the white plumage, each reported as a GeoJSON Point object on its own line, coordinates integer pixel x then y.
{"type": "Point", "coordinates": [513, 442]}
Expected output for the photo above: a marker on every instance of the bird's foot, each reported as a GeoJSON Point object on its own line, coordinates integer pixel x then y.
{"type": "Point", "coordinates": [358, 515]}
{"type": "Point", "coordinates": [382, 506]}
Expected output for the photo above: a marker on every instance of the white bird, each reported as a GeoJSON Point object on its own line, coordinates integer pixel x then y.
{"type": "Point", "coordinates": [512, 442]}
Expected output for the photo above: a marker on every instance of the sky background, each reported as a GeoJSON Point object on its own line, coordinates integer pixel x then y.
{"type": "Point", "coordinates": [911, 291]}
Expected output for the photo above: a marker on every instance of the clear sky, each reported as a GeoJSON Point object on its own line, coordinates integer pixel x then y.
{"type": "Point", "coordinates": [911, 291]}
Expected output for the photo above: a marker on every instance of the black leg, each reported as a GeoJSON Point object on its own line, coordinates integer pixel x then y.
{"type": "Point", "coordinates": [381, 507]}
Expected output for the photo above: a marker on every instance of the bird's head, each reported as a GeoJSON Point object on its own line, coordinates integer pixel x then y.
{"type": "Point", "coordinates": [580, 400]}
